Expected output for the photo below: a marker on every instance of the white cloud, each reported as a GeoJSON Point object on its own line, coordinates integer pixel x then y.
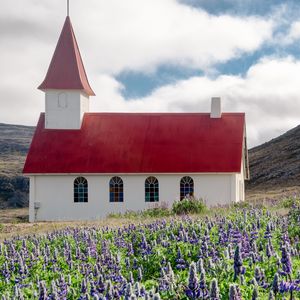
{"type": "Point", "coordinates": [142, 35]}
{"type": "Point", "coordinates": [269, 94]}
{"type": "Point", "coordinates": [151, 33]}
{"type": "Point", "coordinates": [293, 34]}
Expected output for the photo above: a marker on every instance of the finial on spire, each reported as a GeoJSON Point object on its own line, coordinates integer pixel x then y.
{"type": "Point", "coordinates": [68, 8]}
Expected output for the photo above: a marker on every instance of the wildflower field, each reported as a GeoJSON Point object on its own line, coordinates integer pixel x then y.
{"type": "Point", "coordinates": [245, 253]}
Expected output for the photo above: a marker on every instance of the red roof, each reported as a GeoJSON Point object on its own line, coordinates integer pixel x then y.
{"type": "Point", "coordinates": [119, 143]}
{"type": "Point", "coordinates": [66, 70]}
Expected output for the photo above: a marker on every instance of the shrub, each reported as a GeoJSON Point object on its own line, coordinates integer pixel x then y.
{"type": "Point", "coordinates": [188, 206]}
{"type": "Point", "coordinates": [157, 210]}
{"type": "Point", "coordinates": [241, 204]}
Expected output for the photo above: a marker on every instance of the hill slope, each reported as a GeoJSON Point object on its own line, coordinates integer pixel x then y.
{"type": "Point", "coordinates": [14, 144]}
{"type": "Point", "coordinates": [277, 162]}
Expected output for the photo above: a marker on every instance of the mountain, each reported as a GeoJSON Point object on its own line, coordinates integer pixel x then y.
{"type": "Point", "coordinates": [276, 163]}
{"type": "Point", "coordinates": [14, 144]}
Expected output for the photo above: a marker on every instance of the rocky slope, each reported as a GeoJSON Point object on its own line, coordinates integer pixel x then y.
{"type": "Point", "coordinates": [14, 144]}
{"type": "Point", "coordinates": [277, 162]}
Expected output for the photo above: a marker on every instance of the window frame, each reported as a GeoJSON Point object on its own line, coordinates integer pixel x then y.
{"type": "Point", "coordinates": [151, 189]}
{"type": "Point", "coordinates": [186, 187]}
{"type": "Point", "coordinates": [80, 190]}
{"type": "Point", "coordinates": [116, 190]}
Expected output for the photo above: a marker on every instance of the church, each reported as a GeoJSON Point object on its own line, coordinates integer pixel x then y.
{"type": "Point", "coordinates": [84, 165]}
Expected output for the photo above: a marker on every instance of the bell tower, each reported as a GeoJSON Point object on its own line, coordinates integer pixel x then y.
{"type": "Point", "coordinates": [66, 85]}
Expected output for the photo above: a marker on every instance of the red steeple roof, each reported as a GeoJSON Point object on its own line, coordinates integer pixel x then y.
{"type": "Point", "coordinates": [66, 70]}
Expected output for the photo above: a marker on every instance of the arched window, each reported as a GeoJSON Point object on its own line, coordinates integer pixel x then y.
{"type": "Point", "coordinates": [186, 187]}
{"type": "Point", "coordinates": [80, 190]}
{"type": "Point", "coordinates": [151, 189]}
{"type": "Point", "coordinates": [116, 190]}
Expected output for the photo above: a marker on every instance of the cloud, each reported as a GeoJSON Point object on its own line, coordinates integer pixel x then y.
{"type": "Point", "coordinates": [141, 35]}
{"type": "Point", "coordinates": [151, 33]}
{"type": "Point", "coordinates": [268, 93]}
{"type": "Point", "coordinates": [293, 34]}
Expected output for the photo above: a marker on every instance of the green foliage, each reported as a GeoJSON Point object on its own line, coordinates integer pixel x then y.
{"type": "Point", "coordinates": [188, 206]}
{"type": "Point", "coordinates": [14, 191]}
{"type": "Point", "coordinates": [294, 222]}
{"type": "Point", "coordinates": [155, 211]}
{"type": "Point", "coordinates": [290, 202]}
{"type": "Point", "coordinates": [241, 204]}
{"type": "Point", "coordinates": [78, 253]}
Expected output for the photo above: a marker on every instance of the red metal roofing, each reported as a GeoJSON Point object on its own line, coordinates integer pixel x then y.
{"type": "Point", "coordinates": [140, 143]}
{"type": "Point", "coordinates": [66, 70]}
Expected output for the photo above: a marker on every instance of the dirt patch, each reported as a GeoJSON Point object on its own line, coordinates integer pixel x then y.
{"type": "Point", "coordinates": [265, 194]}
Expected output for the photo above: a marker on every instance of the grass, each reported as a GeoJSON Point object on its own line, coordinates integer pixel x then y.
{"type": "Point", "coordinates": [14, 222]}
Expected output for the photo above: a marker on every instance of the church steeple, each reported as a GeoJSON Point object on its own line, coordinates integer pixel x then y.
{"type": "Point", "coordinates": [66, 85]}
{"type": "Point", "coordinates": [66, 70]}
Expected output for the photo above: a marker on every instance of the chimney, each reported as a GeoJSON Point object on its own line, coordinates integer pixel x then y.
{"type": "Point", "coordinates": [215, 108]}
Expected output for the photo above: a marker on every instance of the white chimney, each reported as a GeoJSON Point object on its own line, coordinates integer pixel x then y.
{"type": "Point", "coordinates": [215, 108]}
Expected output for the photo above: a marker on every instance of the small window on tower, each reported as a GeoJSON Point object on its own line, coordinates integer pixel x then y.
{"type": "Point", "coordinates": [62, 100]}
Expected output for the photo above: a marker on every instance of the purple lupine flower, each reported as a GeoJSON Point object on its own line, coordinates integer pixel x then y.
{"type": "Point", "coordinates": [140, 275]}
{"type": "Point", "coordinates": [16, 292]}
{"type": "Point", "coordinates": [42, 291]}
{"type": "Point", "coordinates": [286, 260]}
{"type": "Point", "coordinates": [257, 274]}
{"type": "Point", "coordinates": [137, 289]}
{"type": "Point", "coordinates": [271, 296]}
{"type": "Point", "coordinates": [100, 284]}
{"type": "Point", "coordinates": [233, 293]}
{"type": "Point", "coordinates": [268, 251]}
{"type": "Point", "coordinates": [238, 262]}
{"type": "Point", "coordinates": [83, 286]}
{"type": "Point", "coordinates": [242, 280]}
{"type": "Point", "coordinates": [142, 291]}
{"type": "Point", "coordinates": [128, 291]}
{"type": "Point", "coordinates": [214, 293]}
{"type": "Point", "coordinates": [181, 263]}
{"type": "Point", "coordinates": [200, 267]}
{"type": "Point", "coordinates": [275, 284]}
{"type": "Point", "coordinates": [135, 264]}
{"type": "Point", "coordinates": [268, 233]}
{"type": "Point", "coordinates": [192, 291]}
{"type": "Point", "coordinates": [127, 262]}
{"type": "Point", "coordinates": [289, 286]}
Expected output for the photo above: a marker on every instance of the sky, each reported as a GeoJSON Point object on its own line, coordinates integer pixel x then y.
{"type": "Point", "coordinates": [161, 56]}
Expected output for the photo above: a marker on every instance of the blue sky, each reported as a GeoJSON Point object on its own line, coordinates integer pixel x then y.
{"type": "Point", "coordinates": [139, 84]}
{"type": "Point", "coordinates": [161, 55]}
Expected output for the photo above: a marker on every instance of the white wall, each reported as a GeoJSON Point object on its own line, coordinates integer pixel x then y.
{"type": "Point", "coordinates": [65, 109]}
{"type": "Point", "coordinates": [54, 193]}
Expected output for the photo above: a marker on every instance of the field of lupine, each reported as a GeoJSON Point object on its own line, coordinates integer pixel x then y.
{"type": "Point", "coordinates": [243, 254]}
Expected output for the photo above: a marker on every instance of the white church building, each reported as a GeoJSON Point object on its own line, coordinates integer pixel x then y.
{"type": "Point", "coordinates": [83, 165]}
